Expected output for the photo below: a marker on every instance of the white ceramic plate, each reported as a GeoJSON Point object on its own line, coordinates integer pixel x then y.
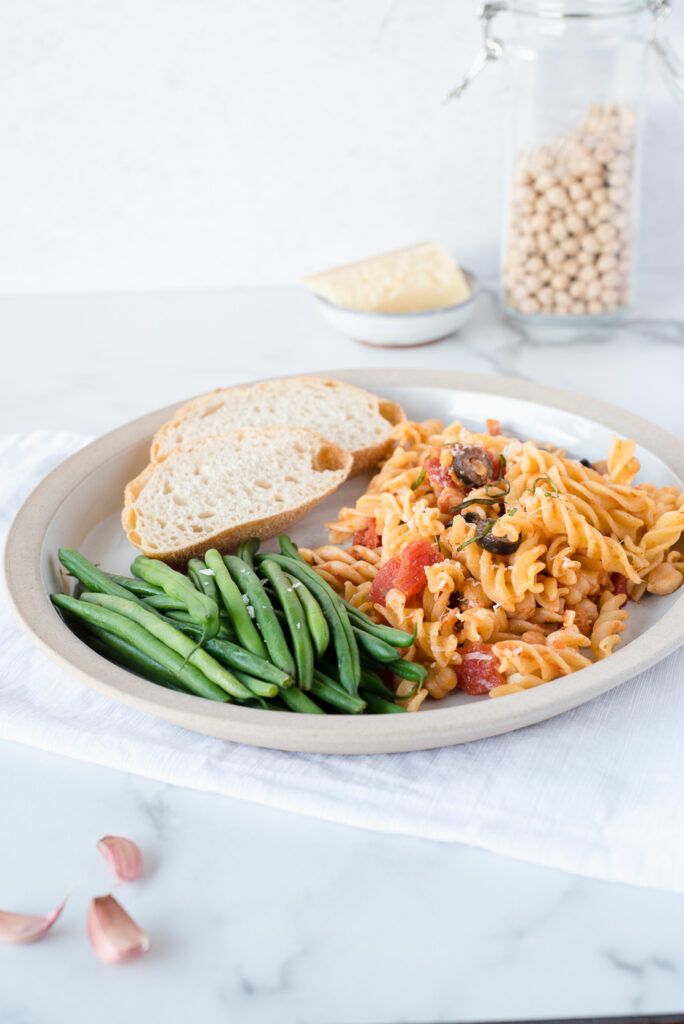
{"type": "Point", "coordinates": [78, 505]}
{"type": "Point", "coordinates": [401, 330]}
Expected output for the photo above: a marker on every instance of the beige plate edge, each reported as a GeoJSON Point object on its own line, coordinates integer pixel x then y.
{"type": "Point", "coordinates": [349, 735]}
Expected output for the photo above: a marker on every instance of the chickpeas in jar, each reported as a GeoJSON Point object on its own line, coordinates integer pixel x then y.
{"type": "Point", "coordinates": [570, 239]}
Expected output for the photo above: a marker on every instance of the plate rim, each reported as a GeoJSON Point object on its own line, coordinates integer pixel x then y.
{"type": "Point", "coordinates": [335, 734]}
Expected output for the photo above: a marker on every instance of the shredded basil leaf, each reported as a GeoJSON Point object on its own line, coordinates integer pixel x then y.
{"type": "Point", "coordinates": [548, 480]}
{"type": "Point", "coordinates": [478, 536]}
{"type": "Point", "coordinates": [501, 494]}
{"type": "Point", "coordinates": [473, 501]}
{"type": "Point", "coordinates": [419, 479]}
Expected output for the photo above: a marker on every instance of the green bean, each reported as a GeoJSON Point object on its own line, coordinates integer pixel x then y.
{"type": "Point", "coordinates": [173, 638]}
{"type": "Point", "coordinates": [408, 670]}
{"type": "Point", "coordinates": [138, 587]}
{"type": "Point", "coordinates": [139, 637]}
{"type": "Point", "coordinates": [379, 706]}
{"type": "Point", "coordinates": [296, 622]}
{"type": "Point", "coordinates": [290, 550]}
{"type": "Point", "coordinates": [332, 693]}
{"type": "Point", "coordinates": [349, 666]}
{"type": "Point", "coordinates": [163, 603]}
{"type": "Point", "coordinates": [373, 646]}
{"type": "Point", "coordinates": [248, 550]}
{"type": "Point", "coordinates": [203, 609]}
{"type": "Point", "coordinates": [288, 547]}
{"type": "Point", "coordinates": [394, 637]}
{"type": "Point", "coordinates": [235, 657]}
{"type": "Point", "coordinates": [89, 574]}
{"type": "Point", "coordinates": [246, 631]}
{"type": "Point", "coordinates": [301, 702]}
{"type": "Point", "coordinates": [125, 654]}
{"type": "Point", "coordinates": [203, 578]}
{"type": "Point", "coordinates": [372, 683]}
{"type": "Point", "coordinates": [315, 619]}
{"type": "Point", "coordinates": [271, 630]}
{"type": "Point", "coordinates": [259, 687]}
{"type": "Point", "coordinates": [186, 624]}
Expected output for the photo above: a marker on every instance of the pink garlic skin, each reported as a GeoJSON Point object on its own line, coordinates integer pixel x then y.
{"type": "Point", "coordinates": [113, 934]}
{"type": "Point", "coordinates": [20, 929]}
{"type": "Point", "coordinates": [122, 856]}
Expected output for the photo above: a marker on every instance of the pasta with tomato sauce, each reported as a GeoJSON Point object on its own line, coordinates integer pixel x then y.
{"type": "Point", "coordinates": [514, 562]}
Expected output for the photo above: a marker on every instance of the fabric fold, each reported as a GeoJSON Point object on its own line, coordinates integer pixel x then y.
{"type": "Point", "coordinates": [596, 791]}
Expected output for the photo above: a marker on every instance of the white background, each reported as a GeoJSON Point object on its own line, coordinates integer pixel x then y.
{"type": "Point", "coordinates": [174, 143]}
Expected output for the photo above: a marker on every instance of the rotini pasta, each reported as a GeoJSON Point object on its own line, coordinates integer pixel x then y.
{"type": "Point", "coordinates": [513, 561]}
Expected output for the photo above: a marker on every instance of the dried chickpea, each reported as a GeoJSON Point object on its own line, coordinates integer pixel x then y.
{"type": "Point", "coordinates": [588, 273]}
{"type": "Point", "coordinates": [559, 282]}
{"type": "Point", "coordinates": [605, 232]}
{"type": "Point", "coordinates": [557, 196]}
{"type": "Point", "coordinates": [577, 191]}
{"type": "Point", "coordinates": [539, 222]}
{"type": "Point", "coordinates": [570, 246]}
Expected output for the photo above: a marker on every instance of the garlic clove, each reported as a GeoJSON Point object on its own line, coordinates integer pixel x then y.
{"type": "Point", "coordinates": [17, 929]}
{"type": "Point", "coordinates": [113, 934]}
{"type": "Point", "coordinates": [122, 856]}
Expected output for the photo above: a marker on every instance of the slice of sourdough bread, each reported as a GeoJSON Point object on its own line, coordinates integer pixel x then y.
{"type": "Point", "coordinates": [218, 491]}
{"type": "Point", "coordinates": [355, 420]}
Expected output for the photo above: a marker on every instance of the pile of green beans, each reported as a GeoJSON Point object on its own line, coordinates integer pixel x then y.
{"type": "Point", "coordinates": [260, 630]}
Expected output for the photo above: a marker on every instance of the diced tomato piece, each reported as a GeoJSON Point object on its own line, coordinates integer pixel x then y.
{"type": "Point", "coordinates": [384, 581]}
{"type": "Point", "coordinates": [619, 583]}
{"type": "Point", "coordinates": [479, 669]}
{"type": "Point", "coordinates": [438, 474]}
{"type": "Point", "coordinates": [367, 538]}
{"type": "Point", "coordinates": [414, 560]}
{"type": "Point", "coordinates": [497, 465]}
{"type": "Point", "coordinates": [406, 571]}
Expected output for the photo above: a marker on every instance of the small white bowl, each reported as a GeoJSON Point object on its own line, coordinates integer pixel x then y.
{"type": "Point", "coordinates": [400, 330]}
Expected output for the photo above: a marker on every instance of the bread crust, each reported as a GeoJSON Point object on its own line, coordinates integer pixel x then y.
{"type": "Point", "coordinates": [365, 459]}
{"type": "Point", "coordinates": [227, 540]}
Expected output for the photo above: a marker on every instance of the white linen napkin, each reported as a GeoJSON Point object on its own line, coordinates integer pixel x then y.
{"type": "Point", "coordinates": [598, 791]}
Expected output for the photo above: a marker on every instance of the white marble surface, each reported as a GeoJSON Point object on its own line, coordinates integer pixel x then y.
{"type": "Point", "coordinates": [256, 915]}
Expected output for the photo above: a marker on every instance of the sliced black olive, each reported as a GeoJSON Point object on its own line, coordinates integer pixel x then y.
{"type": "Point", "coordinates": [471, 464]}
{"type": "Point", "coordinates": [586, 462]}
{"type": "Point", "coordinates": [474, 517]}
{"type": "Point", "coordinates": [496, 545]}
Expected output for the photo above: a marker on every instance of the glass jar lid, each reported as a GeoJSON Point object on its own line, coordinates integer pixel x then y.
{"type": "Point", "coordinates": [580, 8]}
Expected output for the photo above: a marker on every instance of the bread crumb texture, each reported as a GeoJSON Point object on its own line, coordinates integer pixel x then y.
{"type": "Point", "coordinates": [206, 487]}
{"type": "Point", "coordinates": [347, 416]}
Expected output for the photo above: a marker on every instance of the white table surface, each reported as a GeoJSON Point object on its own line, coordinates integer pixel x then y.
{"type": "Point", "coordinates": [254, 914]}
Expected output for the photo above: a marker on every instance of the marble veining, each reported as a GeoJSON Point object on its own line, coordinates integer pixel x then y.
{"type": "Point", "coordinates": [257, 915]}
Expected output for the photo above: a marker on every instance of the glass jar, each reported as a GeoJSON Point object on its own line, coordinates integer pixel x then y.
{"type": "Point", "coordinates": [575, 83]}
